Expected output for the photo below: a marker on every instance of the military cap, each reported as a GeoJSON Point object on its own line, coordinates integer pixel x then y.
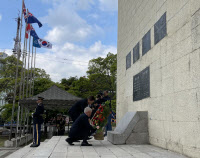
{"type": "Point", "coordinates": [40, 98]}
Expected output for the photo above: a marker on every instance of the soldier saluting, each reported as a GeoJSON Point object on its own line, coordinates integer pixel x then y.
{"type": "Point", "coordinates": [37, 121]}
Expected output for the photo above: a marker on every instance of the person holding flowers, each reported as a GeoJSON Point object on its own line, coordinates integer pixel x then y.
{"type": "Point", "coordinates": [100, 119]}
{"type": "Point", "coordinates": [81, 129]}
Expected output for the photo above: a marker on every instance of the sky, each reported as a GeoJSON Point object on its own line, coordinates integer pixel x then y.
{"type": "Point", "coordinates": [79, 31]}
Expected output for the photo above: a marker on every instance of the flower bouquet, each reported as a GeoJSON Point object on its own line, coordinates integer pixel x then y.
{"type": "Point", "coordinates": [100, 120]}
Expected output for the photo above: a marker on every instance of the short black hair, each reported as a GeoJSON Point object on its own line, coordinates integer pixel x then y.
{"type": "Point", "coordinates": [98, 96]}
{"type": "Point", "coordinates": [91, 98]}
{"type": "Point", "coordinates": [40, 98]}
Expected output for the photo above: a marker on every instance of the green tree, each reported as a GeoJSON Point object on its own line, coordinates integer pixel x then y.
{"type": "Point", "coordinates": [101, 76]}
{"type": "Point", "coordinates": [81, 88]}
{"type": "Point", "coordinates": [42, 82]}
{"type": "Point", "coordinates": [8, 73]}
{"type": "Point", "coordinates": [102, 73]}
{"type": "Point", "coordinates": [67, 83]}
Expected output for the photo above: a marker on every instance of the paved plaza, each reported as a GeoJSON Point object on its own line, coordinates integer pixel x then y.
{"type": "Point", "coordinates": [58, 148]}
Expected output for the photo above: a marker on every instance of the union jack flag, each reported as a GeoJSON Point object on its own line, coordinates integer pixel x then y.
{"type": "Point", "coordinates": [33, 33]}
{"type": "Point", "coordinates": [30, 18]}
{"type": "Point", "coordinates": [28, 29]}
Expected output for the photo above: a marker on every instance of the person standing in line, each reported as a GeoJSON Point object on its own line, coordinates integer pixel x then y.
{"type": "Point", "coordinates": [37, 121]}
{"type": "Point", "coordinates": [108, 126]}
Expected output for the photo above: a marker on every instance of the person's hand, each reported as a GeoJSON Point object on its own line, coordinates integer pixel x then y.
{"type": "Point", "coordinates": [97, 127]}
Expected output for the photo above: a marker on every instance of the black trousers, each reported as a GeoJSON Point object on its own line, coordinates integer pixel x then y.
{"type": "Point", "coordinates": [37, 133]}
{"type": "Point", "coordinates": [74, 116]}
{"type": "Point", "coordinates": [80, 136]}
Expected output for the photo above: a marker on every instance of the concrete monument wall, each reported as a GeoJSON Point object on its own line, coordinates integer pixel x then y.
{"type": "Point", "coordinates": [168, 33]}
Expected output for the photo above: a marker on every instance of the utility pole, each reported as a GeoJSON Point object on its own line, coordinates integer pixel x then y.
{"type": "Point", "coordinates": [17, 52]}
{"type": "Point", "coordinates": [17, 46]}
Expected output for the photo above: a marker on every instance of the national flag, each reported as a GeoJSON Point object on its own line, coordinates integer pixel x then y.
{"type": "Point", "coordinates": [32, 19]}
{"type": "Point", "coordinates": [35, 43]}
{"type": "Point", "coordinates": [41, 43]}
{"type": "Point", "coordinates": [28, 29]}
{"type": "Point", "coordinates": [44, 43]}
{"type": "Point", "coordinates": [24, 10]}
{"type": "Point", "coordinates": [33, 33]}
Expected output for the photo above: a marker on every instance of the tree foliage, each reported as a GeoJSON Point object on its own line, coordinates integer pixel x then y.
{"type": "Point", "coordinates": [42, 82]}
{"type": "Point", "coordinates": [101, 75]}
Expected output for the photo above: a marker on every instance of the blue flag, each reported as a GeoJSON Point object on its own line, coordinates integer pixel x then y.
{"type": "Point", "coordinates": [32, 19]}
{"type": "Point", "coordinates": [33, 33]}
{"type": "Point", "coordinates": [36, 43]}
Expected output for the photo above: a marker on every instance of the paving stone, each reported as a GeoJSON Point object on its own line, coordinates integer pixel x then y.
{"type": "Point", "coordinates": [58, 148]}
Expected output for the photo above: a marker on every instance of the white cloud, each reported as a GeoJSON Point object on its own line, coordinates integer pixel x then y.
{"type": "Point", "coordinates": [7, 51]}
{"type": "Point", "coordinates": [76, 59]}
{"type": "Point", "coordinates": [94, 16]}
{"type": "Point", "coordinates": [75, 4]}
{"type": "Point", "coordinates": [67, 25]}
{"type": "Point", "coordinates": [108, 5]}
{"type": "Point", "coordinates": [0, 17]}
{"type": "Point", "coordinates": [68, 28]}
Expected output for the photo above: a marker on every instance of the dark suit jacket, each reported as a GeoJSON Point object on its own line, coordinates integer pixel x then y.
{"type": "Point", "coordinates": [80, 127]}
{"type": "Point", "coordinates": [37, 116]}
{"type": "Point", "coordinates": [78, 107]}
{"type": "Point", "coordinates": [105, 99]}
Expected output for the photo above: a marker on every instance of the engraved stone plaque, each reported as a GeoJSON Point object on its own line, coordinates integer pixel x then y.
{"type": "Point", "coordinates": [136, 52]}
{"type": "Point", "coordinates": [141, 85]}
{"type": "Point", "coordinates": [136, 87]}
{"type": "Point", "coordinates": [160, 29]}
{"type": "Point", "coordinates": [128, 60]}
{"type": "Point", "coordinates": [146, 42]}
{"type": "Point", "coordinates": [145, 81]}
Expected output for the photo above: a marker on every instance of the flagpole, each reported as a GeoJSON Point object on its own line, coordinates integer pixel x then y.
{"type": "Point", "coordinates": [31, 76]}
{"type": "Point", "coordinates": [27, 80]}
{"type": "Point", "coordinates": [22, 70]}
{"type": "Point", "coordinates": [34, 71]}
{"type": "Point", "coordinates": [24, 79]}
{"type": "Point", "coordinates": [15, 89]}
{"type": "Point", "coordinates": [21, 23]}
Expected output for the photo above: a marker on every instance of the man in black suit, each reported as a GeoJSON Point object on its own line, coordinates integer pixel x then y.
{"type": "Point", "coordinates": [108, 126]}
{"type": "Point", "coordinates": [78, 107]}
{"type": "Point", "coordinates": [81, 129]}
{"type": "Point", "coordinates": [37, 121]}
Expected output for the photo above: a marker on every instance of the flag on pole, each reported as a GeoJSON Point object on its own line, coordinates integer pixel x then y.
{"type": "Point", "coordinates": [44, 44]}
{"type": "Point", "coordinates": [24, 10]}
{"type": "Point", "coordinates": [33, 33]}
{"type": "Point", "coordinates": [28, 29]}
{"type": "Point", "coordinates": [35, 43]}
{"type": "Point", "coordinates": [41, 43]}
{"type": "Point", "coordinates": [32, 19]}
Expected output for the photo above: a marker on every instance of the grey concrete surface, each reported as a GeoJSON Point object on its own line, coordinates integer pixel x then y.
{"type": "Point", "coordinates": [132, 129]}
{"type": "Point", "coordinates": [58, 148]}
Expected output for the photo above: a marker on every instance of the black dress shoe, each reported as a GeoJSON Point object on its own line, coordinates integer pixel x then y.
{"type": "Point", "coordinates": [85, 144]}
{"type": "Point", "coordinates": [69, 142]}
{"type": "Point", "coordinates": [34, 145]}
{"type": "Point", "coordinates": [77, 141]}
